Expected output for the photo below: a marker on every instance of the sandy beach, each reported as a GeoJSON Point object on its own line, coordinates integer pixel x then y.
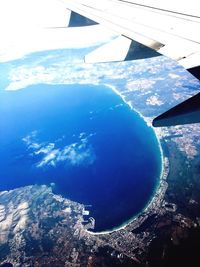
{"type": "Point", "coordinates": [159, 186]}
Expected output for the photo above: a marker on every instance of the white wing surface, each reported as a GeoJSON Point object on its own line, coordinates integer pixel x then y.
{"type": "Point", "coordinates": [172, 28]}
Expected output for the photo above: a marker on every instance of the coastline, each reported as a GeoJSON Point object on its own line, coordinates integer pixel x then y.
{"type": "Point", "coordinates": [161, 184]}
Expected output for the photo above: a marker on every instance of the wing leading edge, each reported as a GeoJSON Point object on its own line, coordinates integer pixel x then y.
{"type": "Point", "coordinates": [154, 28]}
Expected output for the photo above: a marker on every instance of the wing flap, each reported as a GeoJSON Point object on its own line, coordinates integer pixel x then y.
{"type": "Point", "coordinates": [115, 50]}
{"type": "Point", "coordinates": [120, 49]}
{"type": "Point", "coordinates": [184, 113]}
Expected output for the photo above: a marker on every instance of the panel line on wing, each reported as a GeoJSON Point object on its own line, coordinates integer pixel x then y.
{"type": "Point", "coordinates": [159, 9]}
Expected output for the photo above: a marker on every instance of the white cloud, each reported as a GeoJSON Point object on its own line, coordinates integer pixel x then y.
{"type": "Point", "coordinates": [79, 153]}
{"type": "Point", "coordinates": [44, 149]}
{"type": "Point", "coordinates": [28, 139]}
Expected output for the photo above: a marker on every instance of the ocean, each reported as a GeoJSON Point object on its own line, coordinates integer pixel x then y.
{"type": "Point", "coordinates": [86, 141]}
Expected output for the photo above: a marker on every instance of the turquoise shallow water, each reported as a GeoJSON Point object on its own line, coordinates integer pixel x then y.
{"type": "Point", "coordinates": [87, 141]}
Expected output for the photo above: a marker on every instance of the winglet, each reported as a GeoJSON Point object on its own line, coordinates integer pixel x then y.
{"type": "Point", "coordinates": [184, 113]}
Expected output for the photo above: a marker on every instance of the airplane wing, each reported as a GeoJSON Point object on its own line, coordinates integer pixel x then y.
{"type": "Point", "coordinates": [148, 27]}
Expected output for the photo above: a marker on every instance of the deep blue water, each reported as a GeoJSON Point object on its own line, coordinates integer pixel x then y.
{"type": "Point", "coordinates": [87, 141]}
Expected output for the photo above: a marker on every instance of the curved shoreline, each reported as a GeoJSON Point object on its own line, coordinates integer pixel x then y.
{"type": "Point", "coordinates": [158, 185]}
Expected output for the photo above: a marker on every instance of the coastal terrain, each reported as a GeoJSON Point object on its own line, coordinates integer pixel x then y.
{"type": "Point", "coordinates": [40, 228]}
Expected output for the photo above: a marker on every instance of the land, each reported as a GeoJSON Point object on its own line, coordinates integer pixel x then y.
{"type": "Point", "coordinates": [38, 228]}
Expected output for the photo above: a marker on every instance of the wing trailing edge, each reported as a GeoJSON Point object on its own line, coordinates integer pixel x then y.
{"type": "Point", "coordinates": [156, 24]}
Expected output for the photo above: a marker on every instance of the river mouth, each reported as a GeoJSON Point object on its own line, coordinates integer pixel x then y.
{"type": "Point", "coordinates": [86, 141]}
